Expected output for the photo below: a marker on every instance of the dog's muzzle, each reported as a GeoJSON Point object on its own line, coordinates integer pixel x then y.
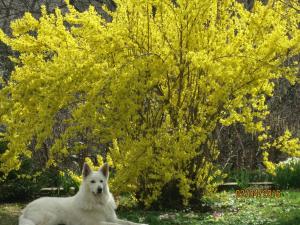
{"type": "Point", "coordinates": [99, 190]}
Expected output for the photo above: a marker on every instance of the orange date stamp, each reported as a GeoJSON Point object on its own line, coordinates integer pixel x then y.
{"type": "Point", "coordinates": [257, 193]}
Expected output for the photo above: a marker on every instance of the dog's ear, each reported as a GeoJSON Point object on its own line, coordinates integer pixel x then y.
{"type": "Point", "coordinates": [86, 170]}
{"type": "Point", "coordinates": [105, 170]}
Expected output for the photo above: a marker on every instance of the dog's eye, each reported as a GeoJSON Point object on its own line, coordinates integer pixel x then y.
{"type": "Point", "coordinates": [92, 181]}
{"type": "Point", "coordinates": [101, 181]}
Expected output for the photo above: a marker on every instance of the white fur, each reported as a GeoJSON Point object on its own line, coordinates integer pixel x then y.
{"type": "Point", "coordinates": [87, 207]}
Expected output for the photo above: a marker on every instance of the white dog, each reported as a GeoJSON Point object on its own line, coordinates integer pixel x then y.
{"type": "Point", "coordinates": [92, 205]}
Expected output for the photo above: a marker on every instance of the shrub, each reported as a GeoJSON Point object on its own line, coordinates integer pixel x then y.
{"type": "Point", "coordinates": [244, 176]}
{"type": "Point", "coordinates": [69, 180]}
{"type": "Point", "coordinates": [288, 173]}
{"type": "Point", "coordinates": [20, 186]}
{"type": "Point", "coordinates": [243, 179]}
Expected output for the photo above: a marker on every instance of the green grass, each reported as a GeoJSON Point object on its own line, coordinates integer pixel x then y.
{"type": "Point", "coordinates": [227, 210]}
{"type": "Point", "coordinates": [9, 213]}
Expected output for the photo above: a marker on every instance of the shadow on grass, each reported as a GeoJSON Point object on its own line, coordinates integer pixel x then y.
{"type": "Point", "coordinates": [292, 218]}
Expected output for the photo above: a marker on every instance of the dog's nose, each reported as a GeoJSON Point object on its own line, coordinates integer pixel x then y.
{"type": "Point", "coordinates": [99, 190]}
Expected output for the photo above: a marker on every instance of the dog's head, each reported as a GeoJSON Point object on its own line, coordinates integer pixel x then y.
{"type": "Point", "coordinates": [96, 181]}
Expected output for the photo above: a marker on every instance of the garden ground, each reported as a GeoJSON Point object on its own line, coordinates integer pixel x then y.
{"type": "Point", "coordinates": [227, 209]}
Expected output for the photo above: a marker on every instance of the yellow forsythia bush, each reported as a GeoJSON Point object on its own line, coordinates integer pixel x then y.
{"type": "Point", "coordinates": [154, 83]}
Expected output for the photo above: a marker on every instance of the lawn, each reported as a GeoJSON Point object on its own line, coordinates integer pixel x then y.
{"type": "Point", "coordinates": [226, 209]}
